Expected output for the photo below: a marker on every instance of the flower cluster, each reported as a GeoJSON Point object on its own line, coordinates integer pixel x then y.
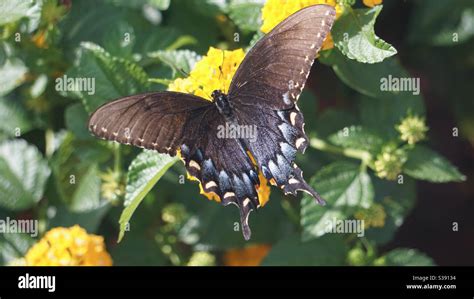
{"type": "Point", "coordinates": [248, 256]}
{"type": "Point", "coordinates": [275, 11]}
{"type": "Point", "coordinates": [389, 163]}
{"type": "Point", "coordinates": [412, 129]}
{"type": "Point", "coordinates": [68, 247]}
{"type": "Point", "coordinates": [215, 72]}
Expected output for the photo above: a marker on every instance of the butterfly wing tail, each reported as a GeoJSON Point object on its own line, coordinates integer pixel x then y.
{"type": "Point", "coordinates": [297, 183]}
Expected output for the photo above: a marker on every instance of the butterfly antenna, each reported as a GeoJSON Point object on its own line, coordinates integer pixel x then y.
{"type": "Point", "coordinates": [221, 73]}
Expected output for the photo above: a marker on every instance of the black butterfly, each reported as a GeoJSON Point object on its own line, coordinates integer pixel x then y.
{"type": "Point", "coordinates": [263, 94]}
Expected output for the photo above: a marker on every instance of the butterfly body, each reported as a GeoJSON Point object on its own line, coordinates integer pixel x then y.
{"type": "Point", "coordinates": [263, 95]}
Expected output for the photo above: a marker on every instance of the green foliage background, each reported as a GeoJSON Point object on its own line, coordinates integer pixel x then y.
{"type": "Point", "coordinates": [53, 170]}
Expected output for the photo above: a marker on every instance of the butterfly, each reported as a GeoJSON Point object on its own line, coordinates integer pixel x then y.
{"type": "Point", "coordinates": [263, 94]}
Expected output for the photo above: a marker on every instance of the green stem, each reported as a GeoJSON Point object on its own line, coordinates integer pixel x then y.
{"type": "Point", "coordinates": [322, 145]}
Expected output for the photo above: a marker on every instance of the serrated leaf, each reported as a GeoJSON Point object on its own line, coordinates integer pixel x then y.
{"type": "Point", "coordinates": [146, 169]}
{"type": "Point", "coordinates": [344, 187]}
{"type": "Point", "coordinates": [246, 14]}
{"type": "Point", "coordinates": [178, 60]}
{"type": "Point", "coordinates": [354, 36]}
{"type": "Point", "coordinates": [407, 257]}
{"type": "Point", "coordinates": [13, 118]}
{"type": "Point", "coordinates": [114, 77]}
{"type": "Point", "coordinates": [14, 246]}
{"type": "Point", "coordinates": [291, 251]}
{"type": "Point", "coordinates": [425, 164]}
{"type": "Point", "coordinates": [357, 137]}
{"type": "Point", "coordinates": [23, 174]}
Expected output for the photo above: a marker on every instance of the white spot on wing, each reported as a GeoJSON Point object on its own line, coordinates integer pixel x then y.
{"type": "Point", "coordinates": [286, 98]}
{"type": "Point", "coordinates": [211, 184]}
{"type": "Point", "coordinates": [194, 164]}
{"type": "Point", "coordinates": [299, 142]}
{"type": "Point", "coordinates": [229, 194]}
{"type": "Point", "coordinates": [293, 118]}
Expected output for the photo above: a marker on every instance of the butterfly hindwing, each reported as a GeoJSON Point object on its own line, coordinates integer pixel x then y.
{"type": "Point", "coordinates": [223, 167]}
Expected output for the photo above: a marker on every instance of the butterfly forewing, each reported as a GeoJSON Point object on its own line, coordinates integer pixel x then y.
{"type": "Point", "coordinates": [160, 121]}
{"type": "Point", "coordinates": [275, 70]}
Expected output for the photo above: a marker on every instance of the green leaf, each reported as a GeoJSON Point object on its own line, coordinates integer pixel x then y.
{"type": "Point", "coordinates": [87, 194]}
{"type": "Point", "coordinates": [72, 166]}
{"type": "Point", "coordinates": [89, 220]}
{"type": "Point", "coordinates": [13, 118]}
{"type": "Point", "coordinates": [407, 257]}
{"type": "Point", "coordinates": [374, 75]}
{"type": "Point", "coordinates": [344, 187]}
{"type": "Point", "coordinates": [76, 119]}
{"type": "Point", "coordinates": [357, 137]}
{"type": "Point", "coordinates": [425, 164]}
{"type": "Point", "coordinates": [146, 169]}
{"type": "Point", "coordinates": [12, 74]}
{"type": "Point", "coordinates": [291, 251]}
{"type": "Point", "coordinates": [397, 201]}
{"type": "Point", "coordinates": [14, 246]}
{"type": "Point", "coordinates": [354, 36]}
{"type": "Point", "coordinates": [23, 174]}
{"type": "Point", "coordinates": [113, 77]}
{"type": "Point", "coordinates": [246, 14]}
{"type": "Point", "coordinates": [431, 24]}
{"type": "Point", "coordinates": [178, 60]}
{"type": "Point", "coordinates": [381, 116]}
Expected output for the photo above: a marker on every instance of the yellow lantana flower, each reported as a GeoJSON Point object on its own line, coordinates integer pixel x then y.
{"type": "Point", "coordinates": [71, 246]}
{"type": "Point", "coordinates": [248, 256]}
{"type": "Point", "coordinates": [215, 72]}
{"type": "Point", "coordinates": [372, 3]}
{"type": "Point", "coordinates": [275, 11]}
